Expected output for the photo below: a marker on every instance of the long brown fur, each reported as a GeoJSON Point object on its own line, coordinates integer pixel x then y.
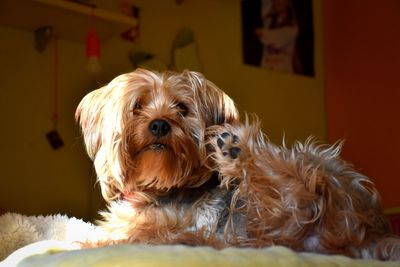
{"type": "Point", "coordinates": [209, 179]}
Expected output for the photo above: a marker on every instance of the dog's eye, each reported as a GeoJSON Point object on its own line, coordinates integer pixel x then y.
{"type": "Point", "coordinates": [137, 106]}
{"type": "Point", "coordinates": [182, 109]}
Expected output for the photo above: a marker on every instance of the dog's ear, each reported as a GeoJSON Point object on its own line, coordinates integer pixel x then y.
{"type": "Point", "coordinates": [97, 129]}
{"type": "Point", "coordinates": [89, 115]}
{"type": "Point", "coordinates": [216, 106]}
{"type": "Point", "coordinates": [102, 115]}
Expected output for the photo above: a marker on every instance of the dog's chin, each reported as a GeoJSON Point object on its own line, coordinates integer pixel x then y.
{"type": "Point", "coordinates": [157, 167]}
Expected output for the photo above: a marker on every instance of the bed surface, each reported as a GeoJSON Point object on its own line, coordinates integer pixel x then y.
{"type": "Point", "coordinates": [53, 253]}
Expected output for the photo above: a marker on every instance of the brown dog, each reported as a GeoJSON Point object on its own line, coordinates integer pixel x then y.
{"type": "Point", "coordinates": [176, 165]}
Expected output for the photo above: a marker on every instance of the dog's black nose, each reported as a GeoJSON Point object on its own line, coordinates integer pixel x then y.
{"type": "Point", "coordinates": [159, 128]}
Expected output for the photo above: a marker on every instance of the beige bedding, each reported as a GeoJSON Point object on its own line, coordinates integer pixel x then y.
{"type": "Point", "coordinates": [53, 253]}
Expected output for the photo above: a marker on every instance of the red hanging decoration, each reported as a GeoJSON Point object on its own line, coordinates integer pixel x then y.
{"type": "Point", "coordinates": [93, 48]}
{"type": "Point", "coordinates": [93, 51]}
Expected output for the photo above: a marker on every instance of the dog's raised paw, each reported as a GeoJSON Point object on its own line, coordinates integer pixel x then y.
{"type": "Point", "coordinates": [228, 144]}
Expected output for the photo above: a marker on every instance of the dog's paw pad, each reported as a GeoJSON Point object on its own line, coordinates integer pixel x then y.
{"type": "Point", "coordinates": [235, 152]}
{"type": "Point", "coordinates": [227, 143]}
{"type": "Point", "coordinates": [225, 135]}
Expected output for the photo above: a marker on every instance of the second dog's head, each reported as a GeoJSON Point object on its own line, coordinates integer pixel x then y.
{"type": "Point", "coordinates": [146, 130]}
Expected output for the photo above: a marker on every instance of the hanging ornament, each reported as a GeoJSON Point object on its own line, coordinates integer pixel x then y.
{"type": "Point", "coordinates": [53, 137]}
{"type": "Point", "coordinates": [93, 52]}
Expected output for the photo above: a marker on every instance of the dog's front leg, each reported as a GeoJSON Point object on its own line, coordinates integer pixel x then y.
{"type": "Point", "coordinates": [241, 156]}
{"type": "Point", "coordinates": [248, 164]}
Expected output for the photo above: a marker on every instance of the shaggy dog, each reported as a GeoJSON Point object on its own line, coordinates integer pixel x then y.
{"type": "Point", "coordinates": [176, 165]}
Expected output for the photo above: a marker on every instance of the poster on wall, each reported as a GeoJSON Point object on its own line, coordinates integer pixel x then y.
{"type": "Point", "coordinates": [278, 35]}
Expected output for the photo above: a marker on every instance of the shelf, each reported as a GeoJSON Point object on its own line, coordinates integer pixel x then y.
{"type": "Point", "coordinates": [70, 20]}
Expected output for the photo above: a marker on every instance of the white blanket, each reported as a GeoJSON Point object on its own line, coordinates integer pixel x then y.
{"type": "Point", "coordinates": [18, 230]}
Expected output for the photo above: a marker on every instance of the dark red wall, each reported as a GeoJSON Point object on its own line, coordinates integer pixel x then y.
{"type": "Point", "coordinates": [362, 56]}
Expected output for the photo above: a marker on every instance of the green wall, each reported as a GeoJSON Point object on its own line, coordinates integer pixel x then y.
{"type": "Point", "coordinates": [36, 179]}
